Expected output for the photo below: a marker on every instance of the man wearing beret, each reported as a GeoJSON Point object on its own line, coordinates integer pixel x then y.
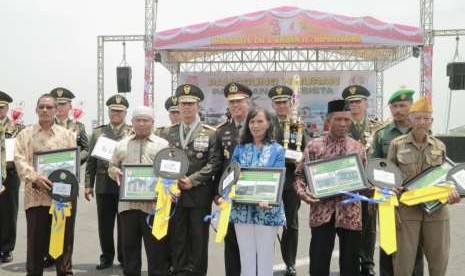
{"type": "Point", "coordinates": [140, 147]}
{"type": "Point", "coordinates": [171, 105]}
{"type": "Point", "coordinates": [281, 102]}
{"type": "Point", "coordinates": [329, 216]}
{"type": "Point", "coordinates": [361, 130]}
{"type": "Point", "coordinates": [9, 129]}
{"type": "Point", "coordinates": [190, 232]}
{"type": "Point", "coordinates": [228, 134]}
{"type": "Point", "coordinates": [106, 189]}
{"type": "Point", "coordinates": [414, 153]}
{"type": "Point", "coordinates": [399, 105]}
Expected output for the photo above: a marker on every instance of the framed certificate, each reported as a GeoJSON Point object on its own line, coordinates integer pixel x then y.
{"type": "Point", "coordinates": [428, 178]}
{"type": "Point", "coordinates": [260, 185]}
{"type": "Point", "coordinates": [328, 177]}
{"type": "Point", "coordinates": [104, 148]}
{"type": "Point", "coordinates": [138, 183]}
{"type": "Point", "coordinates": [457, 175]}
{"type": "Point", "coordinates": [45, 162]}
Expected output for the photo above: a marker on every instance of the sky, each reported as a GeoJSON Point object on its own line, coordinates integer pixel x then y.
{"type": "Point", "coordinates": [50, 43]}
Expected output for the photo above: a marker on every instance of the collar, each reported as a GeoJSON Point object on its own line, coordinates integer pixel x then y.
{"type": "Point", "coordinates": [410, 139]}
{"type": "Point", "coordinates": [236, 123]}
{"type": "Point", "coordinates": [196, 120]}
{"type": "Point", "coordinates": [5, 120]}
{"type": "Point", "coordinates": [150, 138]}
{"type": "Point", "coordinates": [36, 128]}
{"type": "Point", "coordinates": [331, 138]}
{"type": "Point", "coordinates": [392, 126]}
{"type": "Point", "coordinates": [117, 128]}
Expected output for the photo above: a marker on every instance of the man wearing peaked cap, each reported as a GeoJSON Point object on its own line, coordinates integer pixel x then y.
{"type": "Point", "coordinates": [280, 93]}
{"type": "Point", "coordinates": [399, 105]}
{"type": "Point", "coordinates": [189, 93]}
{"type": "Point", "coordinates": [106, 189]}
{"type": "Point", "coordinates": [62, 94]}
{"type": "Point", "coordinates": [329, 216]}
{"type": "Point", "coordinates": [229, 133]}
{"type": "Point", "coordinates": [355, 92]}
{"type": "Point", "coordinates": [10, 183]}
{"type": "Point", "coordinates": [171, 105]}
{"type": "Point", "coordinates": [414, 153]}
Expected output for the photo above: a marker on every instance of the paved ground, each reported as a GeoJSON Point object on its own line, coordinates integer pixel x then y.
{"type": "Point", "coordinates": [87, 251]}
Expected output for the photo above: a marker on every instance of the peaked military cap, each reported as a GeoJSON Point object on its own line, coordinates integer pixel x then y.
{"type": "Point", "coordinates": [189, 93]}
{"type": "Point", "coordinates": [5, 99]}
{"type": "Point", "coordinates": [280, 93]}
{"type": "Point", "coordinates": [338, 105]}
{"type": "Point", "coordinates": [62, 95]}
{"type": "Point", "coordinates": [117, 102]}
{"type": "Point", "coordinates": [236, 91]}
{"type": "Point", "coordinates": [355, 92]}
{"type": "Point", "coordinates": [402, 95]}
{"type": "Point", "coordinates": [422, 105]}
{"type": "Point", "coordinates": [171, 104]}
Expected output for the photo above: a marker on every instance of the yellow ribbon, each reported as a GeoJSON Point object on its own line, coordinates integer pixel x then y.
{"type": "Point", "coordinates": [225, 212]}
{"type": "Point", "coordinates": [387, 222]}
{"type": "Point", "coordinates": [422, 195]}
{"type": "Point", "coordinates": [57, 233]}
{"type": "Point", "coordinates": [163, 208]}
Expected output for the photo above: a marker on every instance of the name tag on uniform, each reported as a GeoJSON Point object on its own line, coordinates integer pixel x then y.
{"type": "Point", "coordinates": [294, 155]}
{"type": "Point", "coordinates": [10, 149]}
{"type": "Point", "coordinates": [104, 148]}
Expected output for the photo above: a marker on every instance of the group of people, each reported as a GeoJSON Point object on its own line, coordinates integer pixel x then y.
{"type": "Point", "coordinates": [252, 137]}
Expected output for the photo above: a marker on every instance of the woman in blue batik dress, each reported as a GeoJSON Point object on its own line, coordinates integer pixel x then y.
{"type": "Point", "coordinates": [257, 225]}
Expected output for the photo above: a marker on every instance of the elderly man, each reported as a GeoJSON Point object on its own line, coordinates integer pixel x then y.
{"type": "Point", "coordinates": [229, 133]}
{"type": "Point", "coordinates": [43, 136]}
{"type": "Point", "coordinates": [8, 198]}
{"type": "Point", "coordinates": [139, 148]}
{"type": "Point", "coordinates": [330, 216]}
{"type": "Point", "coordinates": [414, 153]}
{"type": "Point", "coordinates": [190, 231]}
{"type": "Point", "coordinates": [106, 189]}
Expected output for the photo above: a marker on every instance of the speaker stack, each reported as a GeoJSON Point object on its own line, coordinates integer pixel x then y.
{"type": "Point", "coordinates": [123, 78]}
{"type": "Point", "coordinates": [455, 148]}
{"type": "Point", "coordinates": [456, 74]}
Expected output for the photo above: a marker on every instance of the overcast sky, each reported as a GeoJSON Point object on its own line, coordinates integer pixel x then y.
{"type": "Point", "coordinates": [50, 43]}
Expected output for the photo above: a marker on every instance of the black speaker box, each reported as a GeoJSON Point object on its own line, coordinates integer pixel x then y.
{"type": "Point", "coordinates": [456, 74]}
{"type": "Point", "coordinates": [455, 147]}
{"type": "Point", "coordinates": [123, 78]}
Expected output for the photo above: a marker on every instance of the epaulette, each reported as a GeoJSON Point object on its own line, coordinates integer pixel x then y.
{"type": "Point", "coordinates": [209, 127]}
{"type": "Point", "coordinates": [173, 125]}
{"type": "Point", "coordinates": [100, 126]}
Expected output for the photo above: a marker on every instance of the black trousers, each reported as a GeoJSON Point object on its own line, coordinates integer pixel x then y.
{"type": "Point", "coordinates": [386, 266]}
{"type": "Point", "coordinates": [107, 213]}
{"type": "Point", "coordinates": [38, 238]}
{"type": "Point", "coordinates": [232, 258]}
{"type": "Point", "coordinates": [189, 241]}
{"type": "Point", "coordinates": [134, 229]}
{"type": "Point", "coordinates": [322, 245]}
{"type": "Point", "coordinates": [290, 237]}
{"type": "Point", "coordinates": [9, 212]}
{"type": "Point", "coordinates": [367, 249]}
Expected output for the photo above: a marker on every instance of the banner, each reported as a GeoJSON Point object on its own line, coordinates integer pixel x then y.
{"type": "Point", "coordinates": [317, 88]}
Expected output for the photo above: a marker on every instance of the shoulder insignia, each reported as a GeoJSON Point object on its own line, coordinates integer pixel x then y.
{"type": "Point", "coordinates": [209, 127]}
{"type": "Point", "coordinates": [100, 126]}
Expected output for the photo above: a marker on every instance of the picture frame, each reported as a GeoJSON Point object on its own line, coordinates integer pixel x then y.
{"type": "Point", "coordinates": [104, 148]}
{"type": "Point", "coordinates": [45, 162]}
{"type": "Point", "coordinates": [430, 177]}
{"type": "Point", "coordinates": [229, 177]}
{"type": "Point", "coordinates": [457, 175]}
{"type": "Point", "coordinates": [138, 183]}
{"type": "Point", "coordinates": [257, 185]}
{"type": "Point", "coordinates": [329, 177]}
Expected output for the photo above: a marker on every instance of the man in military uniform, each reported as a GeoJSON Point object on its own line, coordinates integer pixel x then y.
{"type": "Point", "coordinates": [64, 98]}
{"type": "Point", "coordinates": [9, 197]}
{"type": "Point", "coordinates": [228, 134]}
{"type": "Point", "coordinates": [361, 130]}
{"type": "Point", "coordinates": [106, 189]}
{"type": "Point", "coordinates": [171, 105]}
{"type": "Point", "coordinates": [281, 102]}
{"type": "Point", "coordinates": [399, 105]}
{"type": "Point", "coordinates": [190, 231]}
{"type": "Point", "coordinates": [414, 153]}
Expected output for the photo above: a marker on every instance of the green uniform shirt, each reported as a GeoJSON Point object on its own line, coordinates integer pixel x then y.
{"type": "Point", "coordinates": [383, 137]}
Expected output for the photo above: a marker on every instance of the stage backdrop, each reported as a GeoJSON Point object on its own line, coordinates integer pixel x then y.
{"type": "Point", "coordinates": [317, 88]}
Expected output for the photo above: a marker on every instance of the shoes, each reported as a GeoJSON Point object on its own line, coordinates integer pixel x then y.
{"type": "Point", "coordinates": [103, 265]}
{"type": "Point", "coordinates": [48, 262]}
{"type": "Point", "coordinates": [7, 257]}
{"type": "Point", "coordinates": [290, 271]}
{"type": "Point", "coordinates": [368, 272]}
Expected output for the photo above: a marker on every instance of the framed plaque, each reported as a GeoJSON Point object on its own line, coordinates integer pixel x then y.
{"type": "Point", "coordinates": [171, 163]}
{"type": "Point", "coordinates": [457, 175]}
{"type": "Point", "coordinates": [65, 186]}
{"type": "Point", "coordinates": [260, 185]}
{"type": "Point", "coordinates": [382, 173]}
{"type": "Point", "coordinates": [45, 162]}
{"type": "Point", "coordinates": [104, 148]}
{"type": "Point", "coordinates": [429, 177]}
{"type": "Point", "coordinates": [229, 177]}
{"type": "Point", "coordinates": [328, 177]}
{"type": "Point", "coordinates": [138, 183]}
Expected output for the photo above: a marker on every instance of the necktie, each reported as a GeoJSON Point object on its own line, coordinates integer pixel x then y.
{"type": "Point", "coordinates": [186, 130]}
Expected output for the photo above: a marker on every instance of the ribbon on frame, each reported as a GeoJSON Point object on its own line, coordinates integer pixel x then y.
{"type": "Point", "coordinates": [165, 190]}
{"type": "Point", "coordinates": [59, 211]}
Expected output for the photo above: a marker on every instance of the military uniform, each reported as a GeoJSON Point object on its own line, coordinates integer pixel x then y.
{"type": "Point", "coordinates": [189, 238]}
{"type": "Point", "coordinates": [171, 105]}
{"type": "Point", "coordinates": [291, 202]}
{"type": "Point", "coordinates": [9, 197]}
{"type": "Point", "coordinates": [106, 189]}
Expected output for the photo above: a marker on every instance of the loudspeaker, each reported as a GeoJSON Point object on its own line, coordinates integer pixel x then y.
{"type": "Point", "coordinates": [454, 147]}
{"type": "Point", "coordinates": [123, 78]}
{"type": "Point", "coordinates": [456, 74]}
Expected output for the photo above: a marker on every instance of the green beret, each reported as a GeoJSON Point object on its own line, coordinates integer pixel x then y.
{"type": "Point", "coordinates": [401, 95]}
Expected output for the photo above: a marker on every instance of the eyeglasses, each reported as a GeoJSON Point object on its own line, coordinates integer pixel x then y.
{"type": "Point", "coordinates": [421, 118]}
{"type": "Point", "coordinates": [45, 107]}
